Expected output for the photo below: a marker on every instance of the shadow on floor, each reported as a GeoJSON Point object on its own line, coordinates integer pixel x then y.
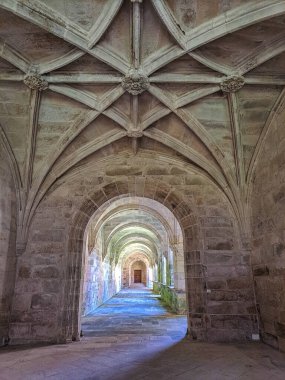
{"type": "Point", "coordinates": [188, 360]}
{"type": "Point", "coordinates": [133, 337]}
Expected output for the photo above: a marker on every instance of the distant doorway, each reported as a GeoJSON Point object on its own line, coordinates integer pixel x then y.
{"type": "Point", "coordinates": [137, 276]}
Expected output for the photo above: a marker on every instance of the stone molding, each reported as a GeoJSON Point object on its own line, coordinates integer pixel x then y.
{"type": "Point", "coordinates": [135, 82]}
{"type": "Point", "coordinates": [35, 82]}
{"type": "Point", "coordinates": [232, 83]}
{"type": "Point", "coordinates": [20, 248]}
{"type": "Point", "coordinates": [134, 133]}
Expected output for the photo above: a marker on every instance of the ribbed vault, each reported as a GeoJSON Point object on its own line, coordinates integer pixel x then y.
{"type": "Point", "coordinates": [170, 101]}
{"type": "Point", "coordinates": [203, 80]}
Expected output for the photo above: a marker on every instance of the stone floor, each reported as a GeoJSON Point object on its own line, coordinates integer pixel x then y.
{"type": "Point", "coordinates": [133, 337]}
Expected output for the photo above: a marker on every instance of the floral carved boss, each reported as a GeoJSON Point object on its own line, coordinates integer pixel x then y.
{"type": "Point", "coordinates": [135, 82]}
{"type": "Point", "coordinates": [232, 83]}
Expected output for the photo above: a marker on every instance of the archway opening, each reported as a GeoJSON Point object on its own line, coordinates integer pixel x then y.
{"type": "Point", "coordinates": [133, 242]}
{"type": "Point", "coordinates": [138, 273]}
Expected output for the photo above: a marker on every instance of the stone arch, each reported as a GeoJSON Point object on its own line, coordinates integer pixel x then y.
{"type": "Point", "coordinates": [142, 250]}
{"type": "Point", "coordinates": [129, 259]}
{"type": "Point", "coordinates": [148, 243]}
{"type": "Point", "coordinates": [123, 226]}
{"type": "Point", "coordinates": [216, 266]}
{"type": "Point", "coordinates": [191, 232]}
{"type": "Point", "coordinates": [142, 207]}
{"type": "Point", "coordinates": [267, 207]}
{"type": "Point", "coordinates": [8, 230]}
{"type": "Point", "coordinates": [13, 166]}
{"type": "Point", "coordinates": [144, 270]}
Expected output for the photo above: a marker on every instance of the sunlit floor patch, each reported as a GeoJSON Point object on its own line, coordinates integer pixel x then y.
{"type": "Point", "coordinates": [134, 314]}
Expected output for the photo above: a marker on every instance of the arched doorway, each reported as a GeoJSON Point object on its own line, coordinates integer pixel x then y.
{"type": "Point", "coordinates": [138, 273]}
{"type": "Point", "coordinates": [127, 243]}
{"type": "Point", "coordinates": [137, 269]}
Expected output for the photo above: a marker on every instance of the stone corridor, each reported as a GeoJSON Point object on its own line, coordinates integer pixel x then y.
{"type": "Point", "coordinates": [134, 316]}
{"type": "Point", "coordinates": [133, 337]}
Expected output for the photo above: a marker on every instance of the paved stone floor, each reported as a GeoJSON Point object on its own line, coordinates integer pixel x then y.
{"type": "Point", "coordinates": [133, 337]}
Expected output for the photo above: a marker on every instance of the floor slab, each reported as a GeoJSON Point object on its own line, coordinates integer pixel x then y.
{"type": "Point", "coordinates": [133, 337]}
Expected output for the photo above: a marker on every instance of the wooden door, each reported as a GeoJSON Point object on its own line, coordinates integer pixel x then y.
{"type": "Point", "coordinates": [137, 276]}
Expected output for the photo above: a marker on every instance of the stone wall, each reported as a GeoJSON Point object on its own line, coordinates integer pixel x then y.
{"type": "Point", "coordinates": [49, 275]}
{"type": "Point", "coordinates": [99, 277]}
{"type": "Point", "coordinates": [268, 224]}
{"type": "Point", "coordinates": [7, 246]}
{"type": "Point", "coordinates": [41, 277]}
{"type": "Point", "coordinates": [222, 271]}
{"type": "Point", "coordinates": [93, 294]}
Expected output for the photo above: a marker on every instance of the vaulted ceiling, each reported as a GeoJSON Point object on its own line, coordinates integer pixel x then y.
{"type": "Point", "coordinates": [134, 225]}
{"type": "Point", "coordinates": [202, 78]}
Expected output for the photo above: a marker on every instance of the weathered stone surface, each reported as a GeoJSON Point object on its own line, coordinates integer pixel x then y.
{"type": "Point", "coordinates": [135, 82]}
{"type": "Point", "coordinates": [7, 244]}
{"type": "Point", "coordinates": [216, 284]}
{"type": "Point", "coordinates": [223, 296]}
{"type": "Point", "coordinates": [35, 82]}
{"type": "Point", "coordinates": [43, 301]}
{"type": "Point", "coordinates": [216, 244]}
{"type": "Point", "coordinates": [239, 283]}
{"type": "Point", "coordinates": [162, 102]}
{"type": "Point", "coordinates": [232, 83]}
{"type": "Point", "coordinates": [261, 271]}
{"type": "Point", "coordinates": [46, 272]}
{"type": "Point", "coordinates": [24, 272]}
{"type": "Point", "coordinates": [268, 234]}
